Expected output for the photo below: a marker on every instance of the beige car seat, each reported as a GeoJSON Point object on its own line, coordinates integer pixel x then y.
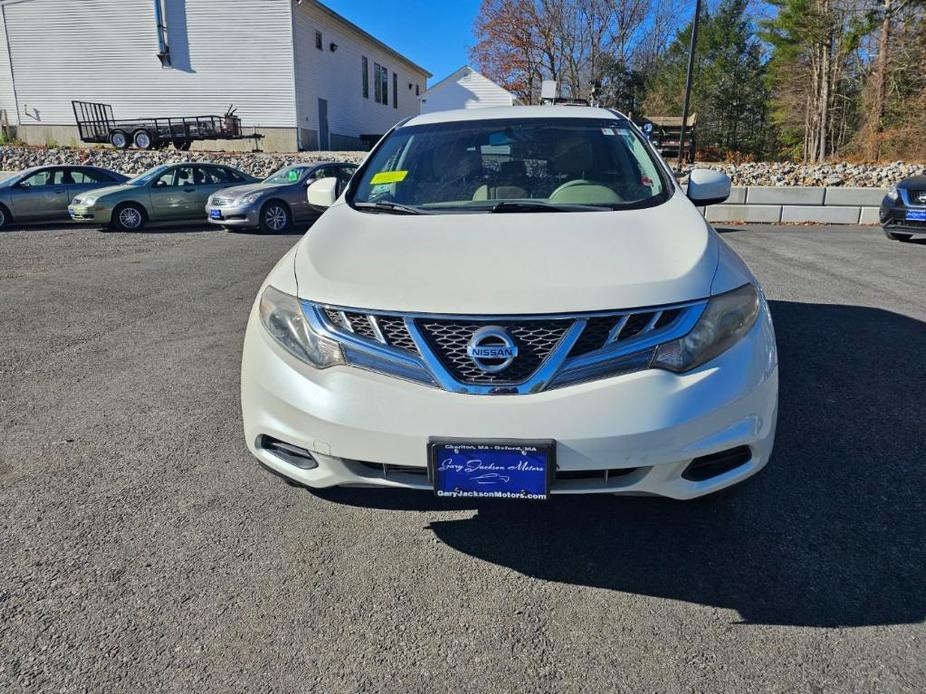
{"type": "Point", "coordinates": [576, 158]}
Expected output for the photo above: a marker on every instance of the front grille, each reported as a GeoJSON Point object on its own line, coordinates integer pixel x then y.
{"type": "Point", "coordinates": [915, 196]}
{"type": "Point", "coordinates": [221, 202]}
{"type": "Point", "coordinates": [392, 328]}
{"type": "Point", "coordinates": [594, 336]}
{"type": "Point", "coordinates": [432, 349]}
{"type": "Point", "coordinates": [535, 340]}
{"type": "Point", "coordinates": [396, 333]}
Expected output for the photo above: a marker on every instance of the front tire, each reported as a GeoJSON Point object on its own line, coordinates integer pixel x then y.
{"type": "Point", "coordinates": [129, 217]}
{"type": "Point", "coordinates": [275, 217]}
{"type": "Point", "coordinates": [5, 218]}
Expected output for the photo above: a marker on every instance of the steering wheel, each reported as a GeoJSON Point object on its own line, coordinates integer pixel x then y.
{"type": "Point", "coordinates": [582, 191]}
{"type": "Point", "coordinates": [570, 184]}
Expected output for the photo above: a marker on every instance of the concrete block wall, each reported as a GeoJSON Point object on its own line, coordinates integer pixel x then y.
{"type": "Point", "coordinates": [773, 204]}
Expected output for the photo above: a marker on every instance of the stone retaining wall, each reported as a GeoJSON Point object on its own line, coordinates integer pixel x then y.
{"type": "Point", "coordinates": [751, 174]}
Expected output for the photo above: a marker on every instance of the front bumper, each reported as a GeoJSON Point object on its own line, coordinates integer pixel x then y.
{"type": "Point", "coordinates": [367, 429]}
{"type": "Point", "coordinates": [240, 216]}
{"type": "Point", "coordinates": [88, 213]}
{"type": "Point", "coordinates": [893, 218]}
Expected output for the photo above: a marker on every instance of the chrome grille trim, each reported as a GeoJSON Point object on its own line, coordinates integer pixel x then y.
{"type": "Point", "coordinates": [374, 324]}
{"type": "Point", "coordinates": [409, 354]}
{"type": "Point", "coordinates": [615, 333]}
{"type": "Point", "coordinates": [345, 321]}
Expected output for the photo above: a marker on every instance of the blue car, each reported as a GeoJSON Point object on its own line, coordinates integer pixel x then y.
{"type": "Point", "coordinates": [903, 210]}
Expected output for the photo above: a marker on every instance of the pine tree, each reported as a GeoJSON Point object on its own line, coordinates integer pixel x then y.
{"type": "Point", "coordinates": [729, 94]}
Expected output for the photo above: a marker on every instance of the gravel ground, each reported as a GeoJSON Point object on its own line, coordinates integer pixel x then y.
{"type": "Point", "coordinates": [142, 547]}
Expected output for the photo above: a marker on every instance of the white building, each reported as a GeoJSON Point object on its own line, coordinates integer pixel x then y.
{"type": "Point", "coordinates": [303, 75]}
{"type": "Point", "coordinates": [465, 88]}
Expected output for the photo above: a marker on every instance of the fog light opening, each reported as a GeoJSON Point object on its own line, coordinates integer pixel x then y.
{"type": "Point", "coordinates": [287, 452]}
{"type": "Point", "coordinates": [706, 467]}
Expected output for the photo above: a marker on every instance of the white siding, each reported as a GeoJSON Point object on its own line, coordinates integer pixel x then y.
{"type": "Point", "coordinates": [105, 50]}
{"type": "Point", "coordinates": [337, 77]}
{"type": "Point", "coordinates": [7, 94]}
{"type": "Point", "coordinates": [466, 88]}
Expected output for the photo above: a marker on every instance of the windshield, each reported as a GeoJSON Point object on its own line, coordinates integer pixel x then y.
{"type": "Point", "coordinates": [535, 164]}
{"type": "Point", "coordinates": [289, 174]}
{"type": "Point", "coordinates": [147, 177]}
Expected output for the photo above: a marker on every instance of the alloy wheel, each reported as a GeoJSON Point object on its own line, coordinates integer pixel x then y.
{"type": "Point", "coordinates": [130, 218]}
{"type": "Point", "coordinates": [275, 218]}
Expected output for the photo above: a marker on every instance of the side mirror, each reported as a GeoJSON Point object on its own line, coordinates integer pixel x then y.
{"type": "Point", "coordinates": [708, 187]}
{"type": "Point", "coordinates": [24, 184]}
{"type": "Point", "coordinates": [158, 184]}
{"type": "Point", "coordinates": [322, 193]}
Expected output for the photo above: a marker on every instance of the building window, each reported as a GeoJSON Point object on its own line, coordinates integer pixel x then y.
{"type": "Point", "coordinates": [417, 92]}
{"type": "Point", "coordinates": [365, 66]}
{"type": "Point", "coordinates": [377, 82]}
{"type": "Point", "coordinates": [385, 79]}
{"type": "Point", "coordinates": [318, 40]}
{"type": "Point", "coordinates": [395, 90]}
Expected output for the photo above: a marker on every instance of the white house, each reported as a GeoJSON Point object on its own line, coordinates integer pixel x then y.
{"type": "Point", "coordinates": [465, 88]}
{"type": "Point", "coordinates": [299, 72]}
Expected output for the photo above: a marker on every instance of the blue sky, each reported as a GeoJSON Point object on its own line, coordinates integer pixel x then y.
{"type": "Point", "coordinates": [436, 35]}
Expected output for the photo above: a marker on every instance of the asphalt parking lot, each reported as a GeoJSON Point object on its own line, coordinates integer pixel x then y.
{"type": "Point", "coordinates": [143, 548]}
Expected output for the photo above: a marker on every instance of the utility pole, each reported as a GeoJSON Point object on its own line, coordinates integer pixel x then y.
{"type": "Point", "coordinates": [691, 57]}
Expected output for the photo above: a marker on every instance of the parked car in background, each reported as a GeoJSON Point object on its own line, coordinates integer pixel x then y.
{"type": "Point", "coordinates": [276, 203]}
{"type": "Point", "coordinates": [166, 193]}
{"type": "Point", "coordinates": [903, 210]}
{"type": "Point", "coordinates": [42, 193]}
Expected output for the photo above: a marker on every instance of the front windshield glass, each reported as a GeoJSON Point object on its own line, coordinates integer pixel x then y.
{"type": "Point", "coordinates": [534, 164]}
{"type": "Point", "coordinates": [289, 174]}
{"type": "Point", "coordinates": [147, 177]}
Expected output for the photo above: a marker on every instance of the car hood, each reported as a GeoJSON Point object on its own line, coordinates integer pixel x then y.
{"type": "Point", "coordinates": [242, 190]}
{"type": "Point", "coordinates": [508, 263]}
{"type": "Point", "coordinates": [108, 190]}
{"type": "Point", "coordinates": [914, 182]}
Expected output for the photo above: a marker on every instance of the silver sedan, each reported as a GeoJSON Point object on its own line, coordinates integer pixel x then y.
{"type": "Point", "coordinates": [275, 204]}
{"type": "Point", "coordinates": [42, 193]}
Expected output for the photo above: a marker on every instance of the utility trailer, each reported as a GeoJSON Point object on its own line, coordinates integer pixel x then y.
{"type": "Point", "coordinates": [97, 124]}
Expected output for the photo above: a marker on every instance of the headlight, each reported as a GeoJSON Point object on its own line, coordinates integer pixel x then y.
{"type": "Point", "coordinates": [249, 198]}
{"type": "Point", "coordinates": [726, 319]}
{"type": "Point", "coordinates": [89, 202]}
{"type": "Point", "coordinates": [893, 193]}
{"type": "Point", "coordinates": [282, 316]}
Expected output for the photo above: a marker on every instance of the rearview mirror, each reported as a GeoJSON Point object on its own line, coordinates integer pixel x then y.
{"type": "Point", "coordinates": [708, 187]}
{"type": "Point", "coordinates": [322, 193]}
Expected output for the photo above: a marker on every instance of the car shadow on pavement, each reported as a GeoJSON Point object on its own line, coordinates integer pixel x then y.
{"type": "Point", "coordinates": [832, 533]}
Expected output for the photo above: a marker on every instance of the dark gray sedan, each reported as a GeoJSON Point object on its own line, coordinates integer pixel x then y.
{"type": "Point", "coordinates": [42, 193]}
{"type": "Point", "coordinates": [277, 202]}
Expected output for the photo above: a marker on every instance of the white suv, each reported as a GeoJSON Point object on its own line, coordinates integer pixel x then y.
{"type": "Point", "coordinates": [511, 303]}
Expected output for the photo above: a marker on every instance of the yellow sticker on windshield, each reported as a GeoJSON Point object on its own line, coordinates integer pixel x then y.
{"type": "Point", "coordinates": [388, 177]}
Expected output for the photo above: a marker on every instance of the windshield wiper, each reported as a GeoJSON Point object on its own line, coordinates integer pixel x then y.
{"type": "Point", "coordinates": [390, 207]}
{"type": "Point", "coordinates": [540, 206]}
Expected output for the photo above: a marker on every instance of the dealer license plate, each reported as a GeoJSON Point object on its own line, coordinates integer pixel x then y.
{"type": "Point", "coordinates": [215, 214]}
{"type": "Point", "coordinates": [492, 468]}
{"type": "Point", "coordinates": [916, 215]}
